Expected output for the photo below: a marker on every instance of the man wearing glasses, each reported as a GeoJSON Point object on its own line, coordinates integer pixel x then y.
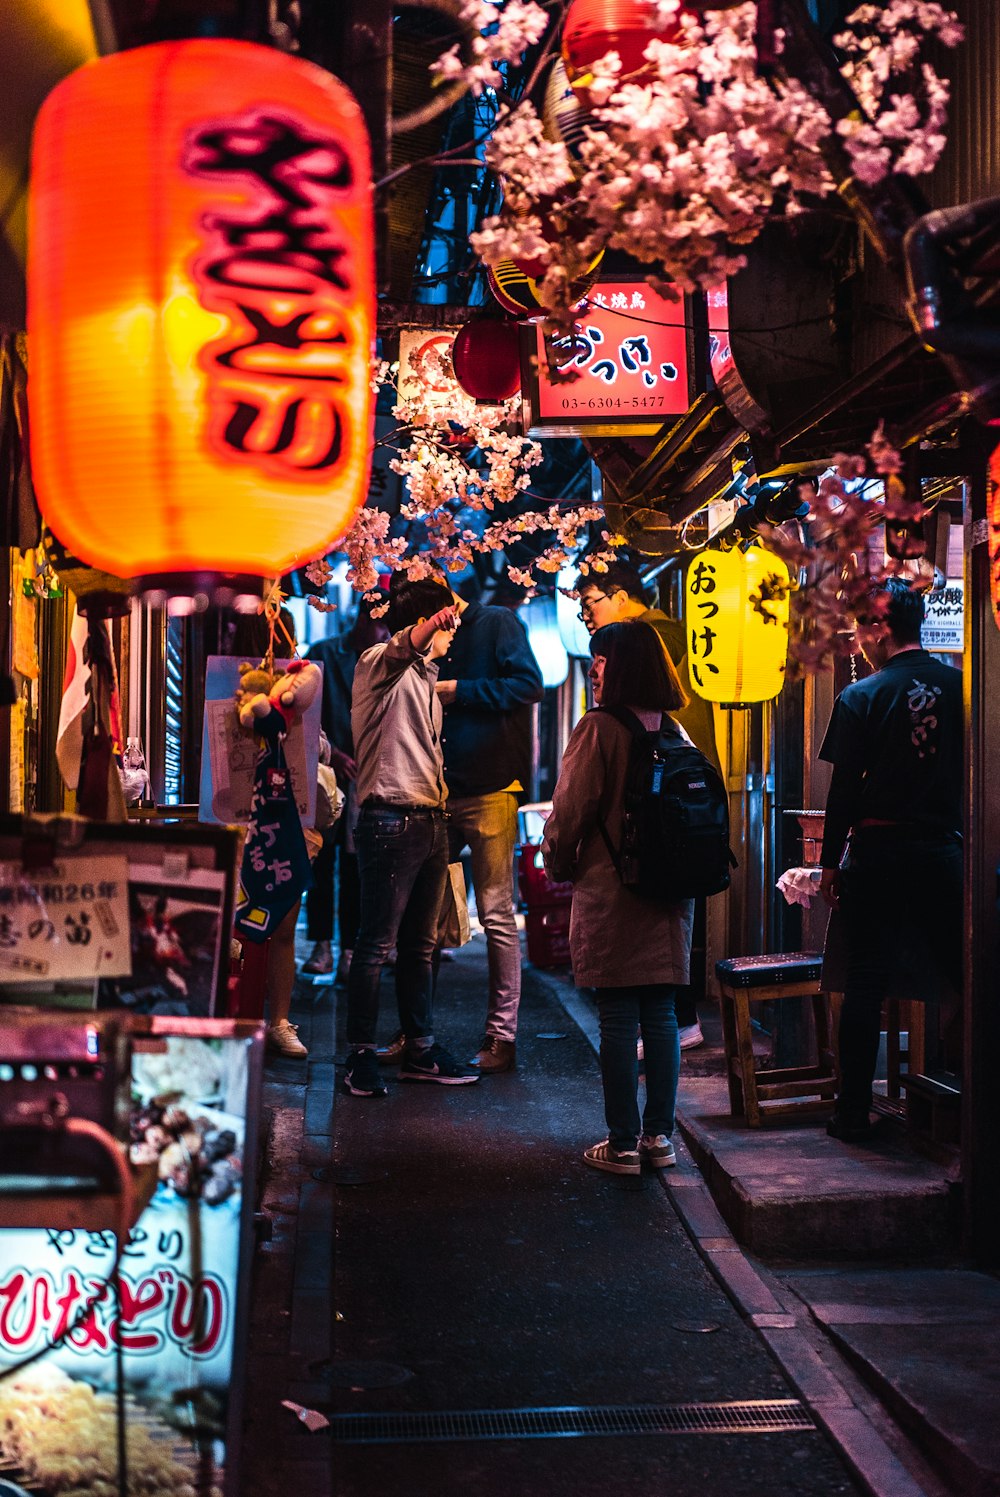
{"type": "Point", "coordinates": [612, 597]}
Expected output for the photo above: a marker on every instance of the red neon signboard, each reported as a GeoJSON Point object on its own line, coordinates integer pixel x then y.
{"type": "Point", "coordinates": [631, 355]}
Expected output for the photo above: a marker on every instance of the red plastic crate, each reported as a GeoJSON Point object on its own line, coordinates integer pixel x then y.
{"type": "Point", "coordinates": [548, 936]}
{"type": "Point", "coordinates": [538, 891]}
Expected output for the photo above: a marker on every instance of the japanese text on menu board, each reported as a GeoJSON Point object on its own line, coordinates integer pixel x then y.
{"type": "Point", "coordinates": [67, 921]}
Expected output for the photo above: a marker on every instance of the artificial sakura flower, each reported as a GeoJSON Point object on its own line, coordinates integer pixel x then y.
{"type": "Point", "coordinates": [681, 164]}
{"type": "Point", "coordinates": [500, 34]}
{"type": "Point", "coordinates": [833, 563]}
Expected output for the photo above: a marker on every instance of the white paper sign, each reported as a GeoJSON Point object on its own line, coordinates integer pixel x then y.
{"type": "Point", "coordinates": [229, 753]}
{"type": "Point", "coordinates": [67, 921]}
{"type": "Point", "coordinates": [943, 629]}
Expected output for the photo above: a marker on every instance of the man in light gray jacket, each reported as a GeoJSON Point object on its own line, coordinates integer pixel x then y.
{"type": "Point", "coordinates": [401, 839]}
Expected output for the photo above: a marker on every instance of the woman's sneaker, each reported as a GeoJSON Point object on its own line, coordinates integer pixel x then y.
{"type": "Point", "coordinates": [437, 1065]}
{"type": "Point", "coordinates": [362, 1078]}
{"type": "Point", "coordinates": [657, 1150]}
{"type": "Point", "coordinates": [690, 1036]}
{"type": "Point", "coordinates": [618, 1162]}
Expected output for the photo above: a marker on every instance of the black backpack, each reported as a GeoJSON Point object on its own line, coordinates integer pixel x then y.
{"type": "Point", "coordinates": [675, 836]}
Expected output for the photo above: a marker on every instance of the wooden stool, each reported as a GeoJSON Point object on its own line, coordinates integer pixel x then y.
{"type": "Point", "coordinates": [758, 1095]}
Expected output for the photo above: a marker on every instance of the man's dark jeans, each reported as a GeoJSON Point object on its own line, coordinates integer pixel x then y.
{"type": "Point", "coordinates": [900, 891]}
{"type": "Point", "coordinates": [403, 863]}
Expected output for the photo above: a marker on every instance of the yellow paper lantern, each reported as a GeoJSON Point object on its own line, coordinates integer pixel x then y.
{"type": "Point", "coordinates": [201, 301]}
{"type": "Point", "coordinates": [736, 618]}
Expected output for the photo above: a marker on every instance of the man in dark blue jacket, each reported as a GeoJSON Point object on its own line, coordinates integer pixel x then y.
{"type": "Point", "coordinates": [487, 685]}
{"type": "Point", "coordinates": [895, 743]}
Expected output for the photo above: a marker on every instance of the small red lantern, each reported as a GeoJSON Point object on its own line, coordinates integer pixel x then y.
{"type": "Point", "coordinates": [594, 27]}
{"type": "Point", "coordinates": [486, 359]}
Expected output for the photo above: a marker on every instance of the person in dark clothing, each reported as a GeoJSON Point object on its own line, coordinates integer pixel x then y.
{"type": "Point", "coordinates": [895, 743]}
{"type": "Point", "coordinates": [339, 658]}
{"type": "Point", "coordinates": [487, 684]}
{"type": "Point", "coordinates": [616, 596]}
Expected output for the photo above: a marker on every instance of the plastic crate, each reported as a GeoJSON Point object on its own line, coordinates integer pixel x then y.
{"type": "Point", "coordinates": [548, 936]}
{"type": "Point", "coordinates": [538, 891]}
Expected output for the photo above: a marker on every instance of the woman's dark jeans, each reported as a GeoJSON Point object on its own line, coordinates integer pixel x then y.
{"type": "Point", "coordinates": [403, 864]}
{"type": "Point", "coordinates": [624, 1013]}
{"type": "Point", "coordinates": [899, 892]}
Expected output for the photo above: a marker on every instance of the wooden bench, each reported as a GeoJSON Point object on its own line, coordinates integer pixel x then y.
{"type": "Point", "coordinates": [763, 1095]}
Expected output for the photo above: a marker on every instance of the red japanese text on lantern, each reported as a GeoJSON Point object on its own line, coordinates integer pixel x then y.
{"type": "Point", "coordinates": [282, 276]}
{"type": "Point", "coordinates": [164, 1306]}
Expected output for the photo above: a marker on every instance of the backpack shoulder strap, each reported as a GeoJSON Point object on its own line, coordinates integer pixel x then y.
{"type": "Point", "coordinates": [628, 720]}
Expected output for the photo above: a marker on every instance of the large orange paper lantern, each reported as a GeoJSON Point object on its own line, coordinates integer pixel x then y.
{"type": "Point", "coordinates": [736, 619]}
{"type": "Point", "coordinates": [201, 312]}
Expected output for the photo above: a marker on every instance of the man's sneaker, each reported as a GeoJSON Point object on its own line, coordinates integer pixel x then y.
{"type": "Point", "coordinates": [617, 1162]}
{"type": "Point", "coordinates": [495, 1055]}
{"type": "Point", "coordinates": [657, 1150]}
{"type": "Point", "coordinates": [283, 1040]}
{"type": "Point", "coordinates": [362, 1077]}
{"type": "Point", "coordinates": [392, 1053]}
{"type": "Point", "coordinates": [320, 962]}
{"type": "Point", "coordinates": [690, 1035]}
{"type": "Point", "coordinates": [437, 1065]}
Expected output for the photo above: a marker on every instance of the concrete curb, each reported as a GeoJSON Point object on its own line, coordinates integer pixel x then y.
{"type": "Point", "coordinates": [822, 1382]}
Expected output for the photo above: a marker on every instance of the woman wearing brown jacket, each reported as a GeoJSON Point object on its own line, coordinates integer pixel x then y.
{"type": "Point", "coordinates": [632, 950]}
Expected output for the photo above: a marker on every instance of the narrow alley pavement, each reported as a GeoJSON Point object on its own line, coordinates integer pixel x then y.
{"type": "Point", "coordinates": [481, 1275]}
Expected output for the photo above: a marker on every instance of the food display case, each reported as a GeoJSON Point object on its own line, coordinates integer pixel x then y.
{"type": "Point", "coordinates": [147, 1335]}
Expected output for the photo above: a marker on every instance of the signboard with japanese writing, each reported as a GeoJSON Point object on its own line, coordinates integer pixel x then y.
{"type": "Point", "coordinates": [624, 369]}
{"type": "Point", "coordinates": [181, 1318]}
{"type": "Point", "coordinates": [425, 369]}
{"type": "Point", "coordinates": [70, 920]}
{"type": "Point", "coordinates": [943, 629]}
{"type": "Point", "coordinates": [229, 752]}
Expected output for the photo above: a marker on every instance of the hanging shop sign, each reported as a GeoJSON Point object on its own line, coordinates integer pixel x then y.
{"type": "Point", "coordinates": [624, 370]}
{"type": "Point", "coordinates": [728, 380]}
{"type": "Point", "coordinates": [736, 619]}
{"type": "Point", "coordinates": [201, 311]}
{"type": "Point", "coordinates": [943, 629]}
{"type": "Point", "coordinates": [425, 373]}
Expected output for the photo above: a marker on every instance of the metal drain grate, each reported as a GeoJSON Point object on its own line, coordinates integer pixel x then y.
{"type": "Point", "coordinates": [756, 1417]}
